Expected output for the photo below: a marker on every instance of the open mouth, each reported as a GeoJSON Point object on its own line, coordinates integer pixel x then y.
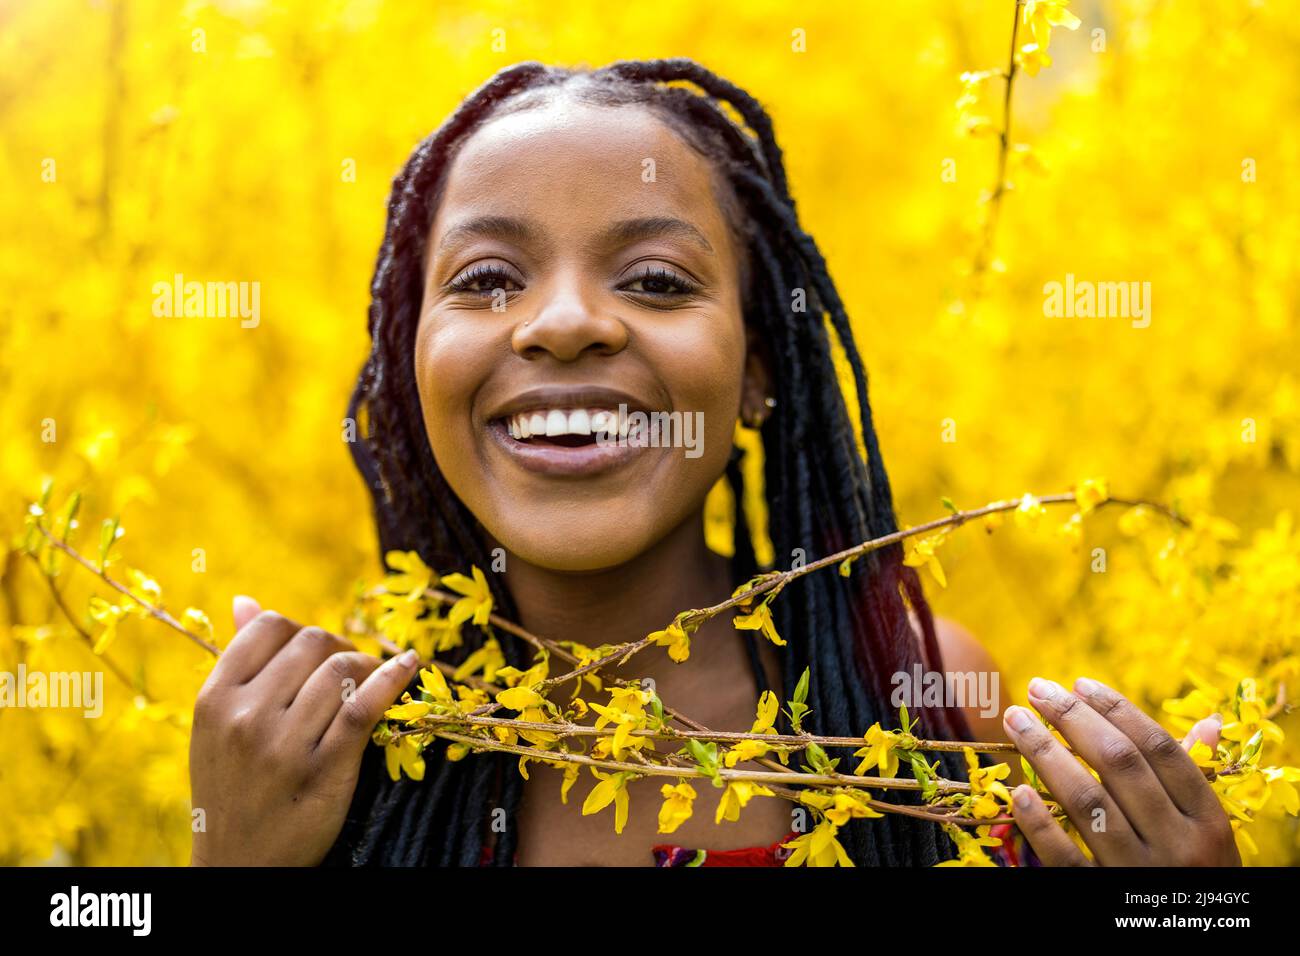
{"type": "Point", "coordinates": [568, 427]}
{"type": "Point", "coordinates": [568, 441]}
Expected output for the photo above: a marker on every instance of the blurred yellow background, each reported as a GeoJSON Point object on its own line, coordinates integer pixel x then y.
{"type": "Point", "coordinates": [255, 142]}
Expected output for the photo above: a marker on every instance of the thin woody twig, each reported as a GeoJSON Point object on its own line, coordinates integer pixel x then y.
{"type": "Point", "coordinates": [153, 611]}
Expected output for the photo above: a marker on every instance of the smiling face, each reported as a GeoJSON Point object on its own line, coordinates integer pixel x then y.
{"type": "Point", "coordinates": [559, 285]}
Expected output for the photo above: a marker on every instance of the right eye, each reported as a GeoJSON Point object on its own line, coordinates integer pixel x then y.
{"type": "Point", "coordinates": [485, 278]}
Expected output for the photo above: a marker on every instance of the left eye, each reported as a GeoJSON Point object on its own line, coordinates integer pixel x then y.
{"type": "Point", "coordinates": [660, 282]}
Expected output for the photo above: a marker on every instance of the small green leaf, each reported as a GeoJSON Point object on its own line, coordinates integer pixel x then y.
{"type": "Point", "coordinates": [109, 532]}
{"type": "Point", "coordinates": [801, 688]}
{"type": "Point", "coordinates": [70, 515]}
{"type": "Point", "coordinates": [1029, 773]}
{"type": "Point", "coordinates": [1252, 746]}
{"type": "Point", "coordinates": [796, 713]}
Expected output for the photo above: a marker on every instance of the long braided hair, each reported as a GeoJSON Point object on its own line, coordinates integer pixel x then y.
{"type": "Point", "coordinates": [821, 495]}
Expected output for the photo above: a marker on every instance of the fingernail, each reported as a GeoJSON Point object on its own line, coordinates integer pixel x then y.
{"type": "Point", "coordinates": [1018, 718]}
{"type": "Point", "coordinates": [409, 658]}
{"type": "Point", "coordinates": [1045, 689]}
{"type": "Point", "coordinates": [1217, 718]}
{"type": "Point", "coordinates": [1022, 796]}
{"type": "Point", "coordinates": [1086, 686]}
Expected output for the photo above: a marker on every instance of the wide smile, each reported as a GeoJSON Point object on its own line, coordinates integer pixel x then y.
{"type": "Point", "coordinates": [569, 440]}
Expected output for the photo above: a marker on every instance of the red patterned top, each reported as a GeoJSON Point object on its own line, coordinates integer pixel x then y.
{"type": "Point", "coordinates": [1015, 851]}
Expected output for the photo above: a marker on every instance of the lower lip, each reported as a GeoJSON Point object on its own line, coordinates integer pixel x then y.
{"type": "Point", "coordinates": [557, 460]}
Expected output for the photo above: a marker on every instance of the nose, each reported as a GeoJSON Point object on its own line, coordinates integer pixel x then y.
{"type": "Point", "coordinates": [568, 325]}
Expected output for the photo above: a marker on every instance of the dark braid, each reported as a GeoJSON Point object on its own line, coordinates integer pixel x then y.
{"type": "Point", "coordinates": [821, 495]}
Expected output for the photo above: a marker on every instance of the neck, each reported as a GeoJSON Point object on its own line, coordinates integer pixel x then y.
{"type": "Point", "coordinates": [625, 603]}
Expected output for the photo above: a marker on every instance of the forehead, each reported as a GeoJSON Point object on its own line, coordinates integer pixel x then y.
{"type": "Point", "coordinates": [576, 165]}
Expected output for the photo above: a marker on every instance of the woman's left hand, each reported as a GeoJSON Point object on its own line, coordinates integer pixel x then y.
{"type": "Point", "coordinates": [1153, 805]}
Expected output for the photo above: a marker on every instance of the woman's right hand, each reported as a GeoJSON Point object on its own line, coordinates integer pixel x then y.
{"type": "Point", "coordinates": [280, 727]}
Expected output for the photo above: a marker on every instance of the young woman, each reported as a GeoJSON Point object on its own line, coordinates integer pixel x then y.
{"type": "Point", "coordinates": [567, 243]}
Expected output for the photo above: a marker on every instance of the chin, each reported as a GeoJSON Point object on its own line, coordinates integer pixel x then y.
{"type": "Point", "coordinates": [586, 551]}
{"type": "Point", "coordinates": [578, 540]}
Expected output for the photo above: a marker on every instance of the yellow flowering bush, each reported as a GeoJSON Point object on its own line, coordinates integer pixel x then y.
{"type": "Point", "coordinates": [232, 141]}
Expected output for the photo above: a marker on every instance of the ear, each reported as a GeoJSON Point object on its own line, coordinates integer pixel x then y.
{"type": "Point", "coordinates": [756, 388]}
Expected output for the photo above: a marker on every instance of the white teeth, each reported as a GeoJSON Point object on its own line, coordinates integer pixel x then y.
{"type": "Point", "coordinates": [566, 421]}
{"type": "Point", "coordinates": [579, 423]}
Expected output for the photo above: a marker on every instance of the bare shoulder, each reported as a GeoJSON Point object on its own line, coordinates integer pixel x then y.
{"type": "Point", "coordinates": [961, 650]}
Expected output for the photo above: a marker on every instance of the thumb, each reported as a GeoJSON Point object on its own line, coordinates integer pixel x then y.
{"type": "Point", "coordinates": [244, 609]}
{"type": "Point", "coordinates": [1206, 730]}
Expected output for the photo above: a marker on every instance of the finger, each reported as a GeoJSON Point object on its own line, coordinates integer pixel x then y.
{"type": "Point", "coordinates": [1048, 838]}
{"type": "Point", "coordinates": [356, 718]}
{"type": "Point", "coordinates": [244, 609]}
{"type": "Point", "coordinates": [1206, 730]}
{"type": "Point", "coordinates": [1182, 779]}
{"type": "Point", "coordinates": [253, 647]}
{"type": "Point", "coordinates": [1090, 808]}
{"type": "Point", "coordinates": [282, 678]}
{"type": "Point", "coordinates": [337, 678]}
{"type": "Point", "coordinates": [1123, 769]}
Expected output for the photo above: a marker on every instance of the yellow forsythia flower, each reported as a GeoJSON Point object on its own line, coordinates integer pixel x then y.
{"type": "Point", "coordinates": [612, 788]}
{"type": "Point", "coordinates": [922, 554]}
{"type": "Point", "coordinates": [677, 807]}
{"type": "Point", "coordinates": [675, 638]}
{"type": "Point", "coordinates": [476, 605]}
{"type": "Point", "coordinates": [1090, 493]}
{"type": "Point", "coordinates": [402, 755]}
{"type": "Point", "coordinates": [412, 578]}
{"type": "Point", "coordinates": [879, 752]}
{"type": "Point", "coordinates": [519, 698]}
{"type": "Point", "coordinates": [736, 797]}
{"type": "Point", "coordinates": [760, 619]}
{"type": "Point", "coordinates": [818, 848]}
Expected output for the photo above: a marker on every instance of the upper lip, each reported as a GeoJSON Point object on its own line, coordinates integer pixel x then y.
{"type": "Point", "coordinates": [561, 396]}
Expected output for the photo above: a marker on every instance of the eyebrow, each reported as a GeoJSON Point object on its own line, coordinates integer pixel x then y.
{"type": "Point", "coordinates": [629, 231]}
{"type": "Point", "coordinates": [492, 227]}
{"type": "Point", "coordinates": [622, 233]}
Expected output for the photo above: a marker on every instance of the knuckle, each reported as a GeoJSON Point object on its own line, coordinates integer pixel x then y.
{"type": "Point", "coordinates": [1067, 706]}
{"type": "Point", "coordinates": [243, 726]}
{"type": "Point", "coordinates": [317, 637]}
{"type": "Point", "coordinates": [340, 665]}
{"type": "Point", "coordinates": [1112, 704]}
{"type": "Point", "coordinates": [1161, 746]}
{"type": "Point", "coordinates": [206, 707]}
{"type": "Point", "coordinates": [1041, 745]}
{"type": "Point", "coordinates": [1088, 798]}
{"type": "Point", "coordinates": [1121, 754]}
{"type": "Point", "coordinates": [354, 716]}
{"type": "Point", "coordinates": [345, 665]}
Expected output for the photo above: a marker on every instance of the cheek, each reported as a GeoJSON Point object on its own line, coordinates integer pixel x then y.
{"type": "Point", "coordinates": [449, 367]}
{"type": "Point", "coordinates": [703, 372]}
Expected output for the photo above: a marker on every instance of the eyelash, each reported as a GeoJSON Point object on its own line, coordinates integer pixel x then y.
{"type": "Point", "coordinates": [466, 281]}
{"type": "Point", "coordinates": [498, 277]}
{"type": "Point", "coordinates": [684, 286]}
